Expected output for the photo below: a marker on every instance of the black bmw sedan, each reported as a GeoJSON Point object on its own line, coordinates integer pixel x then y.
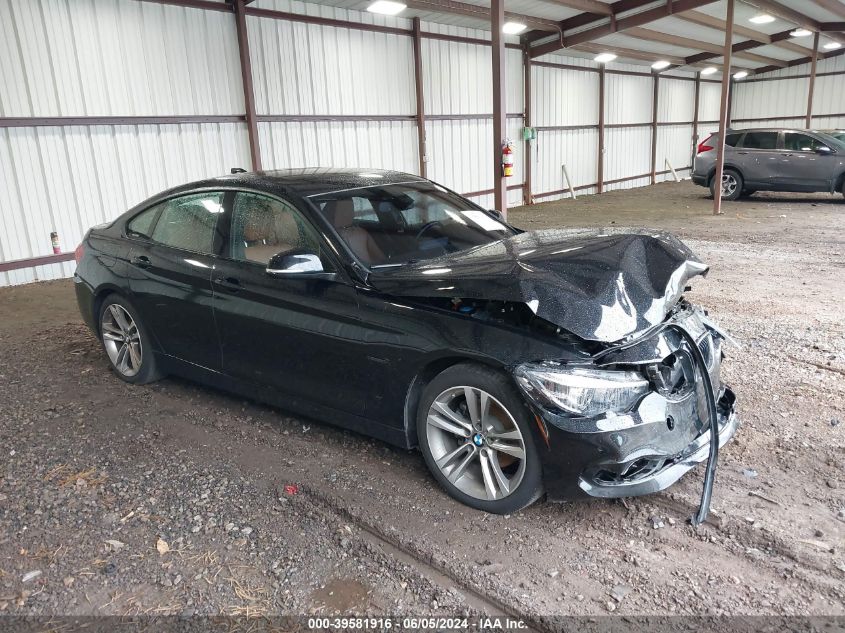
{"type": "Point", "coordinates": [518, 362]}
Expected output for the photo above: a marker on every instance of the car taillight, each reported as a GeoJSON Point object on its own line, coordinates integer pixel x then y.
{"type": "Point", "coordinates": [703, 145]}
{"type": "Point", "coordinates": [78, 253]}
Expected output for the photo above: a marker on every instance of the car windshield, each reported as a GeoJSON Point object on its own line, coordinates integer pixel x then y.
{"type": "Point", "coordinates": [394, 224]}
{"type": "Point", "coordinates": [838, 135]}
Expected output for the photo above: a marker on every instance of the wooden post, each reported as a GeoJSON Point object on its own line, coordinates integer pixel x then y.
{"type": "Point", "coordinates": [656, 80]}
{"type": "Point", "coordinates": [418, 78]}
{"type": "Point", "coordinates": [497, 20]}
{"type": "Point", "coordinates": [723, 107]}
{"type": "Point", "coordinates": [246, 80]}
{"type": "Point", "coordinates": [600, 161]}
{"type": "Point", "coordinates": [526, 181]}
{"type": "Point", "coordinates": [809, 122]}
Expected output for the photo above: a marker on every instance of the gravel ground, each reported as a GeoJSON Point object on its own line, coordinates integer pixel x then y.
{"type": "Point", "coordinates": [176, 499]}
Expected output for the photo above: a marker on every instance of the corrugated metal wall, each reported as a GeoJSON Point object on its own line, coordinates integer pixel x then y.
{"type": "Point", "coordinates": [129, 58]}
{"type": "Point", "coordinates": [786, 98]}
{"type": "Point", "coordinates": [107, 58]}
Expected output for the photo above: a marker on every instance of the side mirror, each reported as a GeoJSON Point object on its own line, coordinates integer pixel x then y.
{"type": "Point", "coordinates": [294, 263]}
{"type": "Point", "coordinates": [496, 214]}
{"type": "Point", "coordinates": [823, 150]}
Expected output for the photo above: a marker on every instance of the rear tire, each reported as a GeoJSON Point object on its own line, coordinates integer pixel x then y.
{"type": "Point", "coordinates": [475, 434]}
{"type": "Point", "coordinates": [731, 185]}
{"type": "Point", "coordinates": [126, 342]}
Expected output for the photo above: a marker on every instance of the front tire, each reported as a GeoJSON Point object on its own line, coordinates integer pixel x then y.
{"type": "Point", "coordinates": [475, 435]}
{"type": "Point", "coordinates": [731, 185]}
{"type": "Point", "coordinates": [126, 342]}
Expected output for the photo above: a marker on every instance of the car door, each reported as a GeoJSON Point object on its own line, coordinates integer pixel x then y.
{"type": "Point", "coordinates": [802, 167]}
{"type": "Point", "coordinates": [756, 155]}
{"type": "Point", "coordinates": [296, 332]}
{"type": "Point", "coordinates": [171, 259]}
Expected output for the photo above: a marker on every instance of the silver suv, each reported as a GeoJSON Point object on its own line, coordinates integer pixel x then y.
{"type": "Point", "coordinates": [768, 159]}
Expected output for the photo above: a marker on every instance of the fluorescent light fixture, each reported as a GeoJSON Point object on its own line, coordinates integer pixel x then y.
{"type": "Point", "coordinates": [740, 75]}
{"type": "Point", "coordinates": [762, 18]}
{"type": "Point", "coordinates": [386, 7]}
{"type": "Point", "coordinates": [513, 28]}
{"type": "Point", "coordinates": [832, 46]}
{"type": "Point", "coordinates": [709, 70]}
{"type": "Point", "coordinates": [603, 58]}
{"type": "Point", "coordinates": [800, 33]}
{"type": "Point", "coordinates": [661, 64]}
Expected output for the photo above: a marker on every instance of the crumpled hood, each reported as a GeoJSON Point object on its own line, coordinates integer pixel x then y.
{"type": "Point", "coordinates": [598, 287]}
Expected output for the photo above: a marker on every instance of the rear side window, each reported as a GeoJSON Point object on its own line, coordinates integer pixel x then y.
{"type": "Point", "coordinates": [732, 139]}
{"type": "Point", "coordinates": [797, 142]}
{"type": "Point", "coordinates": [189, 222]}
{"type": "Point", "coordinates": [142, 224]}
{"type": "Point", "coordinates": [759, 140]}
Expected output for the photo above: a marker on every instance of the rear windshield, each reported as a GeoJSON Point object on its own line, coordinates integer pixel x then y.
{"type": "Point", "coordinates": [397, 223]}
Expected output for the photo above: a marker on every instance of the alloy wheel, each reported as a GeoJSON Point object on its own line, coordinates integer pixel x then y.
{"type": "Point", "coordinates": [729, 185]}
{"type": "Point", "coordinates": [122, 340]}
{"type": "Point", "coordinates": [476, 443]}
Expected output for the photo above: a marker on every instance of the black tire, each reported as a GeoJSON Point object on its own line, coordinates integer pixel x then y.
{"type": "Point", "coordinates": [736, 185]}
{"type": "Point", "coordinates": [528, 486]}
{"type": "Point", "coordinates": [143, 367]}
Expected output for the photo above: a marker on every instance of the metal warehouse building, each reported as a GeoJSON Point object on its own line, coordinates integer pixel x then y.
{"type": "Point", "coordinates": [105, 102]}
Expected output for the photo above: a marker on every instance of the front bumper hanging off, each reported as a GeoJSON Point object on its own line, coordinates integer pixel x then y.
{"type": "Point", "coordinates": [649, 448]}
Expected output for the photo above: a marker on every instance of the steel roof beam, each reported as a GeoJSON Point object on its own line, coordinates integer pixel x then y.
{"type": "Point", "coordinates": [617, 24]}
{"type": "Point", "coordinates": [791, 15]}
{"type": "Point", "coordinates": [715, 49]}
{"type": "Point", "coordinates": [482, 13]}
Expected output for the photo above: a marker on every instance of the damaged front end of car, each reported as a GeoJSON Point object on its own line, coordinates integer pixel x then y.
{"type": "Point", "coordinates": [639, 414]}
{"type": "Point", "coordinates": [631, 402]}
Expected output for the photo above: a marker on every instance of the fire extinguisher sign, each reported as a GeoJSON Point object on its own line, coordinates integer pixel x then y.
{"type": "Point", "coordinates": [507, 158]}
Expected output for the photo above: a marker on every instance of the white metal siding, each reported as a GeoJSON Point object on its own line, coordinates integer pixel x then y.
{"type": "Point", "coordinates": [561, 96]}
{"type": "Point", "coordinates": [67, 179]}
{"type": "Point", "coordinates": [111, 58]}
{"type": "Point", "coordinates": [311, 69]}
{"type": "Point", "coordinates": [577, 149]}
{"type": "Point", "coordinates": [674, 143]}
{"type": "Point", "coordinates": [365, 144]}
{"type": "Point", "coordinates": [627, 99]}
{"type": "Point", "coordinates": [788, 97]}
{"type": "Point", "coordinates": [709, 96]}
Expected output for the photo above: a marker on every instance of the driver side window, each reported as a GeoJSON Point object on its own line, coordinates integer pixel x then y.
{"type": "Point", "coordinates": [263, 227]}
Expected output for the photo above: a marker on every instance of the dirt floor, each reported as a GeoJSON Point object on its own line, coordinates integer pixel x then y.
{"type": "Point", "coordinates": [173, 498]}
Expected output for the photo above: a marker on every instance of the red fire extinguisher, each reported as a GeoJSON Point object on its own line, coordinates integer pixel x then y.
{"type": "Point", "coordinates": [507, 158]}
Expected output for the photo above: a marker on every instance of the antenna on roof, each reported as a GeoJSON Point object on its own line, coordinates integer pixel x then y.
{"type": "Point", "coordinates": [238, 170]}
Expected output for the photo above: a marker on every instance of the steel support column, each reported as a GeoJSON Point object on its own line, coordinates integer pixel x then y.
{"type": "Point", "coordinates": [418, 79]}
{"type": "Point", "coordinates": [656, 91]}
{"type": "Point", "coordinates": [246, 80]}
{"type": "Point", "coordinates": [526, 106]}
{"type": "Point", "coordinates": [497, 20]}
{"type": "Point", "coordinates": [813, 63]}
{"type": "Point", "coordinates": [600, 159]}
{"type": "Point", "coordinates": [723, 107]}
{"type": "Point", "coordinates": [695, 112]}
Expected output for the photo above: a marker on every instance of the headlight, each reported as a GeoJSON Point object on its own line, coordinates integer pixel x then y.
{"type": "Point", "coordinates": [583, 392]}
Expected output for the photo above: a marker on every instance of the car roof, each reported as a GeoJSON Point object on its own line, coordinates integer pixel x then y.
{"type": "Point", "coordinates": [769, 129]}
{"type": "Point", "coordinates": [303, 182]}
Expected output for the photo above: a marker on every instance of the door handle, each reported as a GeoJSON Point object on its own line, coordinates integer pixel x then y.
{"type": "Point", "coordinates": [141, 261]}
{"type": "Point", "coordinates": [229, 283]}
{"type": "Point", "coordinates": [742, 153]}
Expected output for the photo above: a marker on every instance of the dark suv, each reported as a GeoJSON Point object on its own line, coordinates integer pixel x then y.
{"type": "Point", "coordinates": [772, 160]}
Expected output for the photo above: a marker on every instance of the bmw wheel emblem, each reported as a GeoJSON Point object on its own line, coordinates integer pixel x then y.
{"type": "Point", "coordinates": [478, 439]}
